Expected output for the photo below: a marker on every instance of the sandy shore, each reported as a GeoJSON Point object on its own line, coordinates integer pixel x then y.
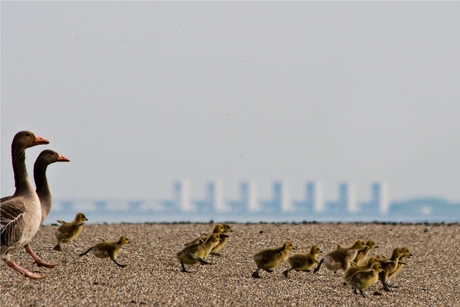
{"type": "Point", "coordinates": [153, 277]}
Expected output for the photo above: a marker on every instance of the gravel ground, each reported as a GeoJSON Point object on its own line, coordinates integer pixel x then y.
{"type": "Point", "coordinates": [153, 277]}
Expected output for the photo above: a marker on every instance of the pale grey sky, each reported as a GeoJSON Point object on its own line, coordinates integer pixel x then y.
{"type": "Point", "coordinates": [139, 94]}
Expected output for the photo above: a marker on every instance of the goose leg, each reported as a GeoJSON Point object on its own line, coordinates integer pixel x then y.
{"type": "Point", "coordinates": [119, 264]}
{"type": "Point", "coordinates": [319, 266]}
{"type": "Point", "coordinates": [58, 248]}
{"type": "Point", "coordinates": [385, 286]}
{"type": "Point", "coordinates": [201, 260]}
{"type": "Point", "coordinates": [362, 293]}
{"type": "Point", "coordinates": [183, 268]}
{"type": "Point", "coordinates": [24, 272]}
{"type": "Point", "coordinates": [37, 259]}
{"type": "Point", "coordinates": [285, 273]}
{"type": "Point", "coordinates": [84, 253]}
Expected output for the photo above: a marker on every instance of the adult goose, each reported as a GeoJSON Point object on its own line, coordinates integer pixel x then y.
{"type": "Point", "coordinates": [42, 188]}
{"type": "Point", "coordinates": [43, 191]}
{"type": "Point", "coordinates": [21, 214]}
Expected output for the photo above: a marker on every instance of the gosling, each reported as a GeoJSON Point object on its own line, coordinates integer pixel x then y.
{"type": "Point", "coordinates": [353, 269]}
{"type": "Point", "coordinates": [389, 266]}
{"type": "Point", "coordinates": [303, 262]}
{"type": "Point", "coordinates": [270, 258]}
{"type": "Point", "coordinates": [218, 228]}
{"type": "Point", "coordinates": [197, 252]}
{"type": "Point", "coordinates": [401, 263]}
{"type": "Point", "coordinates": [362, 254]}
{"type": "Point", "coordinates": [67, 232]}
{"type": "Point", "coordinates": [340, 258]}
{"type": "Point", "coordinates": [106, 249]}
{"type": "Point", "coordinates": [363, 279]}
{"type": "Point", "coordinates": [222, 242]}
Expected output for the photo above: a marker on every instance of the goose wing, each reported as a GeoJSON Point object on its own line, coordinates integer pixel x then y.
{"type": "Point", "coordinates": [12, 221]}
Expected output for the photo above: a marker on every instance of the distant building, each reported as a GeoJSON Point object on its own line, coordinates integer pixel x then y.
{"type": "Point", "coordinates": [280, 201]}
{"type": "Point", "coordinates": [182, 196]}
{"type": "Point", "coordinates": [314, 197]}
{"type": "Point", "coordinates": [215, 196]}
{"type": "Point", "coordinates": [380, 196]}
{"type": "Point", "coordinates": [248, 197]}
{"type": "Point", "coordinates": [346, 201]}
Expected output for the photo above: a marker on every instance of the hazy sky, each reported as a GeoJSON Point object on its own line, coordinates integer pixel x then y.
{"type": "Point", "coordinates": [140, 94]}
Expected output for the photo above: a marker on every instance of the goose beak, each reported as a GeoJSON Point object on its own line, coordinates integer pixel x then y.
{"type": "Point", "coordinates": [39, 140]}
{"type": "Point", "coordinates": [62, 159]}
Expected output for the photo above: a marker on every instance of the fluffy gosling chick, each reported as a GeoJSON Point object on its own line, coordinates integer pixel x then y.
{"type": "Point", "coordinates": [108, 249]}
{"type": "Point", "coordinates": [362, 254]}
{"type": "Point", "coordinates": [389, 266]}
{"type": "Point", "coordinates": [195, 253]}
{"type": "Point", "coordinates": [69, 231]}
{"type": "Point", "coordinates": [303, 262]}
{"type": "Point", "coordinates": [270, 258]}
{"type": "Point", "coordinates": [218, 228]}
{"type": "Point", "coordinates": [222, 242]}
{"type": "Point", "coordinates": [401, 263]}
{"type": "Point", "coordinates": [340, 258]}
{"type": "Point", "coordinates": [363, 279]}
{"type": "Point", "coordinates": [365, 266]}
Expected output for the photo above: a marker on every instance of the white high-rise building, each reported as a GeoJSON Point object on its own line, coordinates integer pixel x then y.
{"type": "Point", "coordinates": [352, 204]}
{"type": "Point", "coordinates": [380, 191]}
{"type": "Point", "coordinates": [182, 196]}
{"type": "Point", "coordinates": [216, 195]}
{"type": "Point", "coordinates": [249, 196]}
{"type": "Point", "coordinates": [314, 196]}
{"type": "Point", "coordinates": [281, 196]}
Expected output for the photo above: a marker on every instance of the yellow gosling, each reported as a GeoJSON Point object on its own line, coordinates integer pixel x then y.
{"type": "Point", "coordinates": [389, 266]}
{"type": "Point", "coordinates": [270, 258]}
{"type": "Point", "coordinates": [67, 232]}
{"type": "Point", "coordinates": [365, 266]}
{"type": "Point", "coordinates": [303, 262]}
{"type": "Point", "coordinates": [195, 253]}
{"type": "Point", "coordinates": [363, 279]}
{"type": "Point", "coordinates": [222, 242]}
{"type": "Point", "coordinates": [362, 254]}
{"type": "Point", "coordinates": [340, 258]}
{"type": "Point", "coordinates": [406, 255]}
{"type": "Point", "coordinates": [218, 228]}
{"type": "Point", "coordinates": [107, 249]}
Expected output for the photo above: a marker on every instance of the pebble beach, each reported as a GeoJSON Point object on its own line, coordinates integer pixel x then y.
{"type": "Point", "coordinates": [153, 276]}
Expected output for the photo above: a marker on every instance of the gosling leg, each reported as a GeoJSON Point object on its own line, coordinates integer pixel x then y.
{"type": "Point", "coordinates": [119, 264]}
{"type": "Point", "coordinates": [319, 266]}
{"type": "Point", "coordinates": [84, 253]}
{"type": "Point", "coordinates": [285, 273]}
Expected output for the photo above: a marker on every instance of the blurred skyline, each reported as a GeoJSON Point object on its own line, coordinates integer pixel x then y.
{"type": "Point", "coordinates": [139, 95]}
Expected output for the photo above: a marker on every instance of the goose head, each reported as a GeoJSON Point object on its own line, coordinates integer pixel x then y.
{"type": "Point", "coordinates": [26, 139]}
